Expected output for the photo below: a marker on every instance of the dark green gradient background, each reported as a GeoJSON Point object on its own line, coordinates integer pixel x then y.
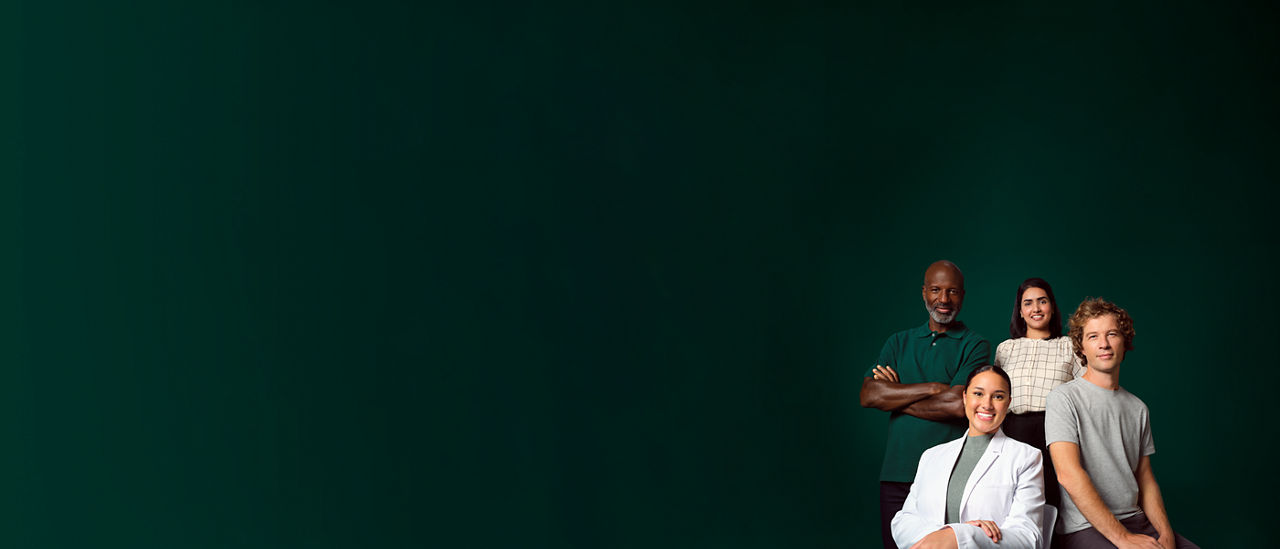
{"type": "Point", "coordinates": [597, 275]}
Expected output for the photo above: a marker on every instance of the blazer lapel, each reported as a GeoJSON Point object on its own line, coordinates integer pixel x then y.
{"type": "Point", "coordinates": [946, 460]}
{"type": "Point", "coordinates": [984, 463]}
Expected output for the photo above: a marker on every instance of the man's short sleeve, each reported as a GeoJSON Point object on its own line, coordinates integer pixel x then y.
{"type": "Point", "coordinates": [977, 355]}
{"type": "Point", "coordinates": [1060, 421]}
{"type": "Point", "coordinates": [1148, 442]}
{"type": "Point", "coordinates": [887, 356]}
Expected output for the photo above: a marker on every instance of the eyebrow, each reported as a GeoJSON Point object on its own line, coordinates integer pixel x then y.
{"type": "Point", "coordinates": [995, 391]}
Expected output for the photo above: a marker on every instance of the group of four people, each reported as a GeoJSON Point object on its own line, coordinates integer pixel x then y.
{"type": "Point", "coordinates": [1047, 412]}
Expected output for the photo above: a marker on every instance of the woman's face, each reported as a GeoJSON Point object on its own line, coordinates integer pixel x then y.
{"type": "Point", "coordinates": [986, 401]}
{"type": "Point", "coordinates": [1036, 310]}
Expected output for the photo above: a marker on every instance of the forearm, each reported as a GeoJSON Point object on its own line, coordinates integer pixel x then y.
{"type": "Point", "coordinates": [944, 406]}
{"type": "Point", "coordinates": [1153, 507]}
{"type": "Point", "coordinates": [1152, 501]}
{"type": "Point", "coordinates": [1080, 487]}
{"type": "Point", "coordinates": [892, 397]}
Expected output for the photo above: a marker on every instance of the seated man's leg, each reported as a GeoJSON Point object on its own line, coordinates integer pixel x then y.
{"type": "Point", "coordinates": [1088, 538]}
{"type": "Point", "coordinates": [892, 496]}
{"type": "Point", "coordinates": [1139, 524]}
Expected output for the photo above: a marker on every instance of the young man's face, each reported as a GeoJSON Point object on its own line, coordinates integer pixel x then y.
{"type": "Point", "coordinates": [1103, 344]}
{"type": "Point", "coordinates": [943, 294]}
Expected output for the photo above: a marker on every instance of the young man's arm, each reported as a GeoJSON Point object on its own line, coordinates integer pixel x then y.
{"type": "Point", "coordinates": [1152, 502]}
{"type": "Point", "coordinates": [1075, 480]}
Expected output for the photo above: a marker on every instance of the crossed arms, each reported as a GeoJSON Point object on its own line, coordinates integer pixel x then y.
{"type": "Point", "coordinates": [933, 401]}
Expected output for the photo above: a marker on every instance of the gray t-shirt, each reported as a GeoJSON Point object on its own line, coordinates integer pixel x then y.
{"type": "Point", "coordinates": [1113, 430]}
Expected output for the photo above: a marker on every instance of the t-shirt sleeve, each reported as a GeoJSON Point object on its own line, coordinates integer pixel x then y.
{"type": "Point", "coordinates": [1060, 421]}
{"type": "Point", "coordinates": [1148, 443]}
{"type": "Point", "coordinates": [978, 355]}
{"type": "Point", "coordinates": [886, 357]}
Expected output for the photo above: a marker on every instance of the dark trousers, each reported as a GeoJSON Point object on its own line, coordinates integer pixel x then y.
{"type": "Point", "coordinates": [1029, 428]}
{"type": "Point", "coordinates": [1089, 538]}
{"type": "Point", "coordinates": [892, 496]}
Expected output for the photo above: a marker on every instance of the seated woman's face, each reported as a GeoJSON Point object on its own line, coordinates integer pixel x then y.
{"type": "Point", "coordinates": [986, 401]}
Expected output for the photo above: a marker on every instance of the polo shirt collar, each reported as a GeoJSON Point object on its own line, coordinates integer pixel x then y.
{"type": "Point", "coordinates": [957, 330]}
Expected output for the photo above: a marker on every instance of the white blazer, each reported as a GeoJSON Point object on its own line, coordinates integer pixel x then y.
{"type": "Point", "coordinates": [1006, 487]}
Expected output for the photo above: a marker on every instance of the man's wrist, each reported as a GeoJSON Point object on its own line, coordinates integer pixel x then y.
{"type": "Point", "coordinates": [1118, 536]}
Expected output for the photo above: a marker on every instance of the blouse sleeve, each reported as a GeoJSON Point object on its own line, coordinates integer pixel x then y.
{"type": "Point", "coordinates": [1002, 352]}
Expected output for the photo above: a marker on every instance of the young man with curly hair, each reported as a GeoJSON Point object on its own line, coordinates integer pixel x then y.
{"type": "Point", "coordinates": [1099, 436]}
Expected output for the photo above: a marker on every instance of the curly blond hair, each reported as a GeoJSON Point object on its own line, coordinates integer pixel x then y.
{"type": "Point", "coordinates": [1094, 307]}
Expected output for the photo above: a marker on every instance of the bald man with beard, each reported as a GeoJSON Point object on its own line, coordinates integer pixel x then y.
{"type": "Point", "coordinates": [919, 379]}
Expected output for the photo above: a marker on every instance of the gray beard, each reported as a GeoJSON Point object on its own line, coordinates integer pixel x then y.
{"type": "Point", "coordinates": [941, 318]}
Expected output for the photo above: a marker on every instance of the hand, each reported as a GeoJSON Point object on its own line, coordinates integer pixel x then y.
{"type": "Point", "coordinates": [885, 373]}
{"type": "Point", "coordinates": [1130, 540]}
{"type": "Point", "coordinates": [1168, 542]}
{"type": "Point", "coordinates": [941, 539]}
{"type": "Point", "coordinates": [989, 528]}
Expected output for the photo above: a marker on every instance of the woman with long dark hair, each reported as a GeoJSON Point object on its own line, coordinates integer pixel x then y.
{"type": "Point", "coordinates": [1038, 357]}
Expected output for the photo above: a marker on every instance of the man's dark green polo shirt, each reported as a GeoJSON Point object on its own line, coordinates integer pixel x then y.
{"type": "Point", "coordinates": [920, 355]}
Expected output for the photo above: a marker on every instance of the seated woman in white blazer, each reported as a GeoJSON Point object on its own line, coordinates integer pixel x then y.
{"type": "Point", "coordinates": [982, 490]}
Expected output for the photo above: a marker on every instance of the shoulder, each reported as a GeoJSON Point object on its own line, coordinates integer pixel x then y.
{"type": "Point", "coordinates": [971, 336]}
{"type": "Point", "coordinates": [939, 449]}
{"type": "Point", "coordinates": [1132, 400]}
{"type": "Point", "coordinates": [1060, 390]}
{"type": "Point", "coordinates": [1020, 450]}
{"type": "Point", "coordinates": [894, 343]}
{"type": "Point", "coordinates": [974, 340]}
{"type": "Point", "coordinates": [1064, 343]}
{"type": "Point", "coordinates": [901, 335]}
{"type": "Point", "coordinates": [1064, 393]}
{"type": "Point", "coordinates": [1004, 352]}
